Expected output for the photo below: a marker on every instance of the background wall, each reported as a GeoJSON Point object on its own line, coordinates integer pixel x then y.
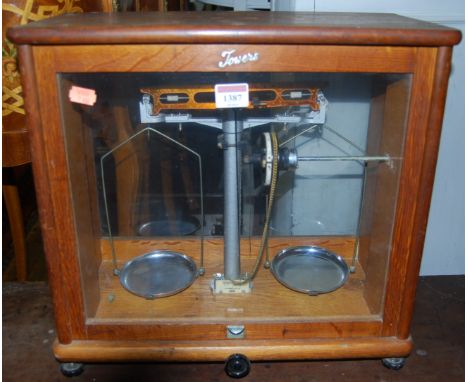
{"type": "Point", "coordinates": [444, 250]}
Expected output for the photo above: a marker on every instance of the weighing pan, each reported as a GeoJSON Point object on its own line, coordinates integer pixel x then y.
{"type": "Point", "coordinates": [309, 269]}
{"type": "Point", "coordinates": [158, 274]}
{"type": "Point", "coordinates": [180, 227]}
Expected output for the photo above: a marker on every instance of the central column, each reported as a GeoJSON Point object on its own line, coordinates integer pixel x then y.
{"type": "Point", "coordinates": [232, 130]}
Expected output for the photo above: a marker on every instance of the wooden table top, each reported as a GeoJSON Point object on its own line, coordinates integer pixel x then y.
{"type": "Point", "coordinates": [235, 27]}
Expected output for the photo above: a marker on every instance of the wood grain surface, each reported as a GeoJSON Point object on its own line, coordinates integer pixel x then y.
{"type": "Point", "coordinates": [197, 303]}
{"type": "Point", "coordinates": [236, 27]}
{"type": "Point", "coordinates": [429, 159]}
{"type": "Point", "coordinates": [46, 214]}
{"type": "Point", "coordinates": [412, 214]}
{"type": "Point", "coordinates": [99, 351]}
{"type": "Point", "coordinates": [56, 214]}
{"type": "Point", "coordinates": [192, 58]}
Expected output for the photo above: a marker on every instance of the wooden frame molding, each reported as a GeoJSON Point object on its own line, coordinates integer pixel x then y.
{"type": "Point", "coordinates": [102, 351]}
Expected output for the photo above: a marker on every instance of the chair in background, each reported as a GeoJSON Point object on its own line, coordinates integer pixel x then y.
{"type": "Point", "coordinates": [15, 140]}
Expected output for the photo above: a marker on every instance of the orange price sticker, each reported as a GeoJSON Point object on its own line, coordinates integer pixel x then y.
{"type": "Point", "coordinates": [83, 96]}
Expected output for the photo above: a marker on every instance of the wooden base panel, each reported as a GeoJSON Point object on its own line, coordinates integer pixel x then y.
{"type": "Point", "coordinates": [123, 351]}
{"type": "Point", "coordinates": [198, 304]}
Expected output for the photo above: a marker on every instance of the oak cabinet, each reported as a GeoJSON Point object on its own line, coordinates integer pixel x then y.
{"type": "Point", "coordinates": [175, 154]}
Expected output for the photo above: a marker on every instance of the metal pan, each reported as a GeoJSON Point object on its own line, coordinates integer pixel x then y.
{"type": "Point", "coordinates": [180, 227]}
{"type": "Point", "coordinates": [309, 269]}
{"type": "Point", "coordinates": [158, 274]}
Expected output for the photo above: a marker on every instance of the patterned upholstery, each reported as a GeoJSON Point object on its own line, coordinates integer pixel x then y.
{"type": "Point", "coordinates": [22, 12]}
{"type": "Point", "coordinates": [15, 140]}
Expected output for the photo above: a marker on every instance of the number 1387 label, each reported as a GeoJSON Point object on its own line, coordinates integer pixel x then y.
{"type": "Point", "coordinates": [231, 95]}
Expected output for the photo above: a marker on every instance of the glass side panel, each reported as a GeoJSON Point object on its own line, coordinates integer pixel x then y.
{"type": "Point", "coordinates": [161, 162]}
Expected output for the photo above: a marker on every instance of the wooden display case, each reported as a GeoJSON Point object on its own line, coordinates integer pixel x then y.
{"type": "Point", "coordinates": [383, 79]}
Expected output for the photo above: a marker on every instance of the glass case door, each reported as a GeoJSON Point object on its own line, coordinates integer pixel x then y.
{"type": "Point", "coordinates": [200, 208]}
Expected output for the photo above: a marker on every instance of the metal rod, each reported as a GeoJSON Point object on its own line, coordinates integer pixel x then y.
{"type": "Point", "coordinates": [352, 268]}
{"type": "Point", "coordinates": [231, 206]}
{"type": "Point", "coordinates": [201, 271]}
{"type": "Point", "coordinates": [109, 229]}
{"type": "Point", "coordinates": [150, 129]}
{"type": "Point", "coordinates": [297, 135]}
{"type": "Point", "coordinates": [344, 138]}
{"type": "Point", "coordinates": [384, 158]}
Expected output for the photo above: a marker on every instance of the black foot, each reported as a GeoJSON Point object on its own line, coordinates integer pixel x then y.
{"type": "Point", "coordinates": [394, 363]}
{"type": "Point", "coordinates": [237, 366]}
{"type": "Point", "coordinates": [71, 369]}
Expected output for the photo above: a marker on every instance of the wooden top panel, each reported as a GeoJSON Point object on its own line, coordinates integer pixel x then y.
{"type": "Point", "coordinates": [236, 28]}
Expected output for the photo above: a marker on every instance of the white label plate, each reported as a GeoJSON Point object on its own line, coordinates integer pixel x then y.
{"type": "Point", "coordinates": [231, 95]}
{"type": "Point", "coordinates": [228, 287]}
